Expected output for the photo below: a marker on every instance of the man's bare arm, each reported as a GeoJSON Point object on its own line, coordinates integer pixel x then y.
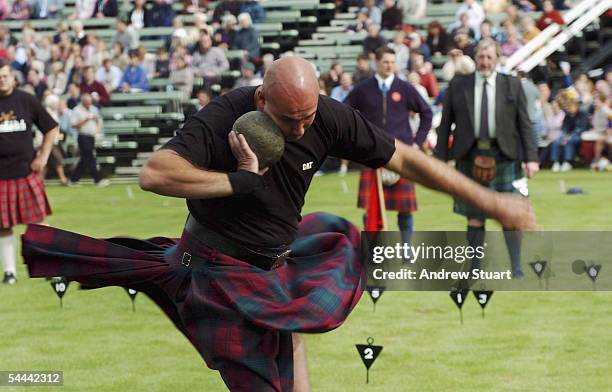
{"type": "Point", "coordinates": [169, 174]}
{"type": "Point", "coordinates": [42, 157]}
{"type": "Point", "coordinates": [513, 212]}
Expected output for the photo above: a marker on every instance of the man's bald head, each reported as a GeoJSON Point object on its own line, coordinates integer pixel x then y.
{"type": "Point", "coordinates": [292, 75]}
{"type": "Point", "coordinates": [290, 94]}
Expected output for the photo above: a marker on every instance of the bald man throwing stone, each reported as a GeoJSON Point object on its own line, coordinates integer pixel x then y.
{"type": "Point", "coordinates": [249, 272]}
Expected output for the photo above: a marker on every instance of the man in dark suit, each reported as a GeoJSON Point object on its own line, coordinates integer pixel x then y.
{"type": "Point", "coordinates": [106, 8]}
{"type": "Point", "coordinates": [491, 139]}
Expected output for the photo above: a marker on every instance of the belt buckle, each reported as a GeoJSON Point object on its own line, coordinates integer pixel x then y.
{"type": "Point", "coordinates": [484, 144]}
{"type": "Point", "coordinates": [186, 259]}
{"type": "Point", "coordinates": [280, 259]}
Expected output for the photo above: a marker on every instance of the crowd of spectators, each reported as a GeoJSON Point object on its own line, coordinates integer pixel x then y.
{"type": "Point", "coordinates": [62, 66]}
{"type": "Point", "coordinates": [70, 61]}
{"type": "Point", "coordinates": [583, 113]}
{"type": "Point", "coordinates": [51, 61]}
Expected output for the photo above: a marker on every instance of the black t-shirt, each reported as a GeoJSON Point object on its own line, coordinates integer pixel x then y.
{"type": "Point", "coordinates": [18, 112]}
{"type": "Point", "coordinates": [269, 217]}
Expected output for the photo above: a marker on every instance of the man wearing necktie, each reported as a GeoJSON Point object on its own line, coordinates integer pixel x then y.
{"type": "Point", "coordinates": [387, 101]}
{"type": "Point", "coordinates": [492, 138]}
{"type": "Point", "coordinates": [46, 9]}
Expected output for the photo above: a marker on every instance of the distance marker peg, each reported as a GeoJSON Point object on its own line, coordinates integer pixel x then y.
{"type": "Point", "coordinates": [375, 293]}
{"type": "Point", "coordinates": [459, 296]}
{"type": "Point", "coordinates": [580, 267]}
{"type": "Point", "coordinates": [538, 267]}
{"type": "Point", "coordinates": [60, 286]}
{"type": "Point", "coordinates": [593, 271]}
{"type": "Point", "coordinates": [483, 297]}
{"type": "Point", "coordinates": [132, 293]}
{"type": "Point", "coordinates": [368, 354]}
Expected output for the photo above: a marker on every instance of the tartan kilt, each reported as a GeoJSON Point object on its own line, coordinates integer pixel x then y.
{"type": "Point", "coordinates": [399, 197]}
{"type": "Point", "coordinates": [506, 172]}
{"type": "Point", "coordinates": [239, 317]}
{"type": "Point", "coordinates": [22, 201]}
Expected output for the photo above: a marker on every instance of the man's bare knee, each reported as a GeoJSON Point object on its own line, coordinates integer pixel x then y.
{"type": "Point", "coordinates": [473, 222]}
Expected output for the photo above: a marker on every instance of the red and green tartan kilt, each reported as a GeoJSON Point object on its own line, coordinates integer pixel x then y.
{"type": "Point", "coordinates": [239, 318]}
{"type": "Point", "coordinates": [23, 200]}
{"type": "Point", "coordinates": [399, 197]}
{"type": "Point", "coordinates": [506, 172]}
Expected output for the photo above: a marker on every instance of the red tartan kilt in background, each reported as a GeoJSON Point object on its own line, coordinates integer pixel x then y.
{"type": "Point", "coordinates": [23, 200]}
{"type": "Point", "coordinates": [239, 318]}
{"type": "Point", "coordinates": [400, 197]}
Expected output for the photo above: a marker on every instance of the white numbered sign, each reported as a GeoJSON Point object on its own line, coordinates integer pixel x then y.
{"type": "Point", "coordinates": [132, 293]}
{"type": "Point", "coordinates": [538, 267]}
{"type": "Point", "coordinates": [483, 297]}
{"type": "Point", "coordinates": [593, 271]}
{"type": "Point", "coordinates": [459, 296]}
{"type": "Point", "coordinates": [60, 285]}
{"type": "Point", "coordinates": [368, 354]}
{"type": "Point", "coordinates": [375, 292]}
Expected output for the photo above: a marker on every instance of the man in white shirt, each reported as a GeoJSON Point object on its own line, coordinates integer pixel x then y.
{"type": "Point", "coordinates": [475, 14]}
{"type": "Point", "coordinates": [126, 35]}
{"type": "Point", "coordinates": [339, 93]}
{"type": "Point", "coordinates": [109, 75]}
{"type": "Point", "coordinates": [88, 123]}
{"type": "Point", "coordinates": [84, 9]}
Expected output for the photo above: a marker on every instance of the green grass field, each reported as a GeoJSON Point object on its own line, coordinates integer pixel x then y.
{"type": "Point", "coordinates": [527, 342]}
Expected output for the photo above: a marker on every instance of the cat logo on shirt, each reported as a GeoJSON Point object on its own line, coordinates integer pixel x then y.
{"type": "Point", "coordinates": [307, 166]}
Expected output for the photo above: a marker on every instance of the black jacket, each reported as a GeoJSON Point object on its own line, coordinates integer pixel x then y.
{"type": "Point", "coordinates": [513, 129]}
{"type": "Point", "coordinates": [108, 8]}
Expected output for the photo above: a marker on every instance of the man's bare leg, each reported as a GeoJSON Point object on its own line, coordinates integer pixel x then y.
{"type": "Point", "coordinates": [8, 249]}
{"type": "Point", "coordinates": [300, 366]}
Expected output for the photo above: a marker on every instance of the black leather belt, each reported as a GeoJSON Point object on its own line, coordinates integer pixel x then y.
{"type": "Point", "coordinates": [266, 259]}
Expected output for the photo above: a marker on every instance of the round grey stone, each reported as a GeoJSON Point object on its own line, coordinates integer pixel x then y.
{"type": "Point", "coordinates": [264, 137]}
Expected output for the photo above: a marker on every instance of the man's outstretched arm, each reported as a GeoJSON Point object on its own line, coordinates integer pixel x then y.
{"type": "Point", "coordinates": [513, 212]}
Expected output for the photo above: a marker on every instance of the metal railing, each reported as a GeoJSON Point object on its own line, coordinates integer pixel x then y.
{"type": "Point", "coordinates": [555, 36]}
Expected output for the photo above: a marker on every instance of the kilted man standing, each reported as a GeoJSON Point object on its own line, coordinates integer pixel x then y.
{"type": "Point", "coordinates": [22, 193]}
{"type": "Point", "coordinates": [386, 101]}
{"type": "Point", "coordinates": [492, 138]}
{"type": "Point", "coordinates": [249, 272]}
